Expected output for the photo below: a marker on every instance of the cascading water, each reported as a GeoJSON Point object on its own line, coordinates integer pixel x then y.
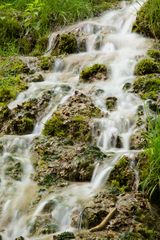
{"type": "Point", "coordinates": [118, 49]}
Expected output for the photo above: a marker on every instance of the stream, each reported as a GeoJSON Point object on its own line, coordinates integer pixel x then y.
{"type": "Point", "coordinates": [109, 41]}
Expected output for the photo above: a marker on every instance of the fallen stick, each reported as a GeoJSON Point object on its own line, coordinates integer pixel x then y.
{"type": "Point", "coordinates": [104, 222]}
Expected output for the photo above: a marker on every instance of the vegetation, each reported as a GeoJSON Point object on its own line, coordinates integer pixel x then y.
{"type": "Point", "coordinates": [151, 171]}
{"type": "Point", "coordinates": [148, 19]}
{"type": "Point", "coordinates": [147, 66]}
{"type": "Point", "coordinates": [11, 83]}
{"type": "Point", "coordinates": [25, 24]}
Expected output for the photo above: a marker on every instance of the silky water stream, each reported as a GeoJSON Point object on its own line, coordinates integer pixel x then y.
{"type": "Point", "coordinates": [118, 49]}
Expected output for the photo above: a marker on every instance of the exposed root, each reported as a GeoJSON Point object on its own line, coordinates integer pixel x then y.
{"type": "Point", "coordinates": [104, 222]}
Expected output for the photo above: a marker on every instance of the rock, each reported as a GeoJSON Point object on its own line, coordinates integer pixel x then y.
{"type": "Point", "coordinates": [14, 170]}
{"type": "Point", "coordinates": [93, 73]}
{"type": "Point", "coordinates": [138, 140]}
{"type": "Point", "coordinates": [20, 238]}
{"type": "Point", "coordinates": [64, 236]}
{"type": "Point", "coordinates": [155, 54]}
{"type": "Point", "coordinates": [146, 66]}
{"type": "Point", "coordinates": [82, 45]}
{"type": "Point", "coordinates": [35, 78]}
{"type": "Point", "coordinates": [65, 44]}
{"type": "Point", "coordinates": [56, 159]}
{"type": "Point", "coordinates": [127, 86]}
{"type": "Point", "coordinates": [111, 103]}
{"type": "Point", "coordinates": [43, 225]}
{"type": "Point", "coordinates": [122, 177]}
{"type": "Point", "coordinates": [96, 209]}
{"type": "Point", "coordinates": [72, 120]}
{"type": "Point", "coordinates": [46, 62]}
{"type": "Point", "coordinates": [21, 120]}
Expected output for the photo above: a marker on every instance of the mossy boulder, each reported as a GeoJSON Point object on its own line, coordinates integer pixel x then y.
{"type": "Point", "coordinates": [21, 120]}
{"type": "Point", "coordinates": [46, 62]}
{"type": "Point", "coordinates": [155, 54]}
{"type": "Point", "coordinates": [65, 44]}
{"type": "Point", "coordinates": [146, 66]}
{"type": "Point", "coordinates": [148, 87]}
{"type": "Point", "coordinates": [72, 120]}
{"type": "Point", "coordinates": [121, 178]}
{"type": "Point", "coordinates": [95, 72]}
{"type": "Point", "coordinates": [111, 103]}
{"type": "Point", "coordinates": [14, 170]}
{"type": "Point", "coordinates": [64, 236]}
{"type": "Point", "coordinates": [56, 159]}
{"type": "Point", "coordinates": [138, 140]}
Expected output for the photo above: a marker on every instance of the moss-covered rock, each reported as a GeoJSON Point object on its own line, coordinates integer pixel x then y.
{"type": "Point", "coordinates": [138, 140]}
{"type": "Point", "coordinates": [72, 120]}
{"type": "Point", "coordinates": [111, 103]}
{"type": "Point", "coordinates": [148, 86]}
{"type": "Point", "coordinates": [95, 72]}
{"type": "Point", "coordinates": [146, 66]}
{"type": "Point", "coordinates": [64, 236]}
{"type": "Point", "coordinates": [122, 176]}
{"type": "Point", "coordinates": [14, 170]}
{"type": "Point", "coordinates": [65, 44]}
{"type": "Point", "coordinates": [21, 120]}
{"type": "Point", "coordinates": [46, 62]}
{"type": "Point", "coordinates": [55, 159]}
{"type": "Point", "coordinates": [155, 54]}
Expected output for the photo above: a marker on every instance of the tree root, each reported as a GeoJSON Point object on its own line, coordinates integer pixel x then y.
{"type": "Point", "coordinates": [104, 222]}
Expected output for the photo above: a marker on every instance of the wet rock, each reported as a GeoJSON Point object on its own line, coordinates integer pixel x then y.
{"type": "Point", "coordinates": [20, 238]}
{"type": "Point", "coordinates": [21, 120]}
{"type": "Point", "coordinates": [138, 140]}
{"type": "Point", "coordinates": [127, 86]}
{"type": "Point", "coordinates": [55, 159]}
{"type": "Point", "coordinates": [43, 225]}
{"type": "Point", "coordinates": [96, 210]}
{"type": "Point", "coordinates": [64, 236]}
{"type": "Point", "coordinates": [73, 119]}
{"type": "Point", "coordinates": [82, 45]}
{"type": "Point", "coordinates": [65, 44]}
{"type": "Point", "coordinates": [93, 73]}
{"type": "Point", "coordinates": [111, 103]}
{"type": "Point", "coordinates": [122, 176]}
{"type": "Point", "coordinates": [35, 78]}
{"type": "Point", "coordinates": [99, 92]}
{"type": "Point", "coordinates": [46, 62]}
{"type": "Point", "coordinates": [14, 170]}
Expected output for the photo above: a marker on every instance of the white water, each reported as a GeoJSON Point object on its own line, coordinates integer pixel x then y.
{"type": "Point", "coordinates": [119, 49]}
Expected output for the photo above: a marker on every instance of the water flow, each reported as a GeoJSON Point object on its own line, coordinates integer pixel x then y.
{"type": "Point", "coordinates": [117, 48]}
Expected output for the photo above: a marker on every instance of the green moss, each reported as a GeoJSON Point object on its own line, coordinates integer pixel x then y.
{"type": "Point", "coordinates": [76, 128]}
{"type": "Point", "coordinates": [155, 54]}
{"type": "Point", "coordinates": [23, 125]}
{"type": "Point", "coordinates": [97, 71]}
{"type": "Point", "coordinates": [65, 236]}
{"type": "Point", "coordinates": [121, 177]}
{"type": "Point", "coordinates": [10, 78]}
{"type": "Point", "coordinates": [65, 44]}
{"type": "Point", "coordinates": [46, 62]}
{"type": "Point", "coordinates": [146, 66]}
{"type": "Point", "coordinates": [147, 86]}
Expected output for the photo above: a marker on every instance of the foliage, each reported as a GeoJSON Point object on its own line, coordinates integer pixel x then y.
{"type": "Point", "coordinates": [25, 24]}
{"type": "Point", "coordinates": [151, 183]}
{"type": "Point", "coordinates": [148, 19]}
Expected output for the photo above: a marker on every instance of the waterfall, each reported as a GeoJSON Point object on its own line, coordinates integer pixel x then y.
{"type": "Point", "coordinates": [118, 49]}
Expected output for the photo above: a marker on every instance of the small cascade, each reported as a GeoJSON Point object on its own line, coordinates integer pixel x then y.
{"type": "Point", "coordinates": [109, 40]}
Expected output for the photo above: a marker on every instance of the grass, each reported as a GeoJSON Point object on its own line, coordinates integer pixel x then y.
{"type": "Point", "coordinates": [148, 19]}
{"type": "Point", "coordinates": [151, 183]}
{"type": "Point", "coordinates": [27, 23]}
